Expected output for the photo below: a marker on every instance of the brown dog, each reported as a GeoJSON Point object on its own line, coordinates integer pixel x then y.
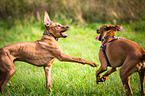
{"type": "Point", "coordinates": [40, 53]}
{"type": "Point", "coordinates": [116, 52]}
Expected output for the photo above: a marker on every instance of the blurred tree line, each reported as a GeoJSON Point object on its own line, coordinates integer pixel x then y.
{"type": "Point", "coordinates": [78, 10]}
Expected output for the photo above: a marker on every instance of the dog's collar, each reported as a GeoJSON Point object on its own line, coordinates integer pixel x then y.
{"type": "Point", "coordinates": [108, 37]}
{"type": "Point", "coordinates": [45, 33]}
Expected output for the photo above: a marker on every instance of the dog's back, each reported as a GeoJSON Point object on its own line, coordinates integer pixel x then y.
{"type": "Point", "coordinates": [30, 52]}
{"type": "Point", "coordinates": [124, 49]}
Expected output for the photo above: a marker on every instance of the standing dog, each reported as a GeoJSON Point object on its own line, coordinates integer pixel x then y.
{"type": "Point", "coordinates": [116, 52]}
{"type": "Point", "coordinates": [40, 53]}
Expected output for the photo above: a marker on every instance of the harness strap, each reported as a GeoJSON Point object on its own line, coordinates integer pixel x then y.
{"type": "Point", "coordinates": [108, 37]}
{"type": "Point", "coordinates": [45, 33]}
{"type": "Point", "coordinates": [103, 47]}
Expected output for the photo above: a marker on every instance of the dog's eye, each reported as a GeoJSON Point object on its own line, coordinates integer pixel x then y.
{"type": "Point", "coordinates": [58, 25]}
{"type": "Point", "coordinates": [107, 28]}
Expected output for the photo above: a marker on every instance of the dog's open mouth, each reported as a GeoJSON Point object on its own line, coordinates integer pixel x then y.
{"type": "Point", "coordinates": [63, 34]}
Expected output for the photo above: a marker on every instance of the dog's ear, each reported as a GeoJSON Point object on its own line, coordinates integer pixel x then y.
{"type": "Point", "coordinates": [119, 28]}
{"type": "Point", "coordinates": [47, 21]}
{"type": "Point", "coordinates": [107, 27]}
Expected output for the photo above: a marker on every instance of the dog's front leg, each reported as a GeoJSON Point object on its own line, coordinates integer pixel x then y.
{"type": "Point", "coordinates": [47, 70]}
{"type": "Point", "coordinates": [57, 53]}
{"type": "Point", "coordinates": [68, 58]}
{"type": "Point", "coordinates": [98, 72]}
{"type": "Point", "coordinates": [107, 74]}
{"type": "Point", "coordinates": [102, 68]}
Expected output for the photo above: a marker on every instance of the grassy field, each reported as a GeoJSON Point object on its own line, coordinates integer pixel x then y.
{"type": "Point", "coordinates": [68, 79]}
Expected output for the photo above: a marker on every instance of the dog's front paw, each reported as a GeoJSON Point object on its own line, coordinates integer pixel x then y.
{"type": "Point", "coordinates": [93, 64]}
{"type": "Point", "coordinates": [48, 87]}
{"type": "Point", "coordinates": [102, 79]}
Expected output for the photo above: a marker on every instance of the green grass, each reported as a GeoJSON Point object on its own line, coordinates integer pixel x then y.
{"type": "Point", "coordinates": [68, 79]}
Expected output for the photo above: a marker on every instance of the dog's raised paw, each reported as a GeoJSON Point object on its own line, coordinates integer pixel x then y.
{"type": "Point", "coordinates": [94, 64]}
{"type": "Point", "coordinates": [102, 79]}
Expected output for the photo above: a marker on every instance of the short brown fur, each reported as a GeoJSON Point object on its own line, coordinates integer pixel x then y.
{"type": "Point", "coordinates": [40, 53]}
{"type": "Point", "coordinates": [122, 52]}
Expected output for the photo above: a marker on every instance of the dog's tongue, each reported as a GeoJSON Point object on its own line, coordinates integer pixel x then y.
{"type": "Point", "coordinates": [63, 34]}
{"type": "Point", "coordinates": [97, 38]}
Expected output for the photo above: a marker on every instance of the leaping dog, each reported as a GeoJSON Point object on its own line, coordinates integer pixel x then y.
{"type": "Point", "coordinates": [116, 52]}
{"type": "Point", "coordinates": [40, 53]}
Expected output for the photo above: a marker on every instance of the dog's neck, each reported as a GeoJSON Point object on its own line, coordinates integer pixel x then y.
{"type": "Point", "coordinates": [48, 37]}
{"type": "Point", "coordinates": [109, 36]}
{"type": "Point", "coordinates": [49, 34]}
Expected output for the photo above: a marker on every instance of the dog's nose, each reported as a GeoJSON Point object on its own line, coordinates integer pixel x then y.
{"type": "Point", "coordinates": [67, 26]}
{"type": "Point", "coordinates": [98, 31]}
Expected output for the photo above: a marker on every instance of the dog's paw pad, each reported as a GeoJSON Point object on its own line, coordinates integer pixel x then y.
{"type": "Point", "coordinates": [102, 79]}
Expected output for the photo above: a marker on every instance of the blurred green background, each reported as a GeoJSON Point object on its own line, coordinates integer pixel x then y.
{"type": "Point", "coordinates": [22, 21]}
{"type": "Point", "coordinates": [113, 11]}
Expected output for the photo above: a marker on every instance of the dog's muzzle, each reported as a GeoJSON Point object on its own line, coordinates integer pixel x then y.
{"type": "Point", "coordinates": [98, 31]}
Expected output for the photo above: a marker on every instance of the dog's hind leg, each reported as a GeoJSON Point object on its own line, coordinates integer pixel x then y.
{"type": "Point", "coordinates": [142, 79]}
{"type": "Point", "coordinates": [128, 68]}
{"type": "Point", "coordinates": [7, 70]}
{"type": "Point", "coordinates": [107, 74]}
{"type": "Point", "coordinates": [4, 77]}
